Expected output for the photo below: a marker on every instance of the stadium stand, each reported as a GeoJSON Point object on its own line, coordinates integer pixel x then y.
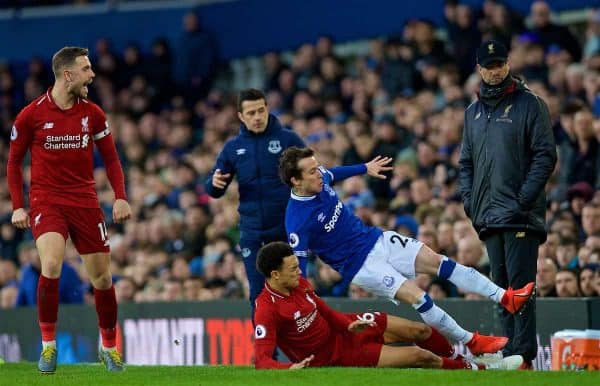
{"type": "Point", "coordinates": [401, 96]}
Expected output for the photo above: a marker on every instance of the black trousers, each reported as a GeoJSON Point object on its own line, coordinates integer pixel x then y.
{"type": "Point", "coordinates": [513, 257]}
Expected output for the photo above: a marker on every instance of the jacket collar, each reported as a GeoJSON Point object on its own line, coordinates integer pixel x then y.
{"type": "Point", "coordinates": [273, 126]}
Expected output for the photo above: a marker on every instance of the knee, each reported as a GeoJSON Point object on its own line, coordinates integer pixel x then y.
{"type": "Point", "coordinates": [51, 267]}
{"type": "Point", "coordinates": [424, 358]}
{"type": "Point", "coordinates": [102, 280]}
{"type": "Point", "coordinates": [421, 332]}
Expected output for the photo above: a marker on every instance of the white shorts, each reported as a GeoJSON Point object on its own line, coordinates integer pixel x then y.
{"type": "Point", "coordinates": [389, 264]}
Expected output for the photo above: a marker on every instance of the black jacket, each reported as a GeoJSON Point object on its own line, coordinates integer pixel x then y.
{"type": "Point", "coordinates": [508, 153]}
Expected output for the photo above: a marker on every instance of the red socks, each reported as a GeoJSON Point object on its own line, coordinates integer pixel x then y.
{"type": "Point", "coordinates": [47, 303]}
{"type": "Point", "coordinates": [437, 344]}
{"type": "Point", "coordinates": [106, 308]}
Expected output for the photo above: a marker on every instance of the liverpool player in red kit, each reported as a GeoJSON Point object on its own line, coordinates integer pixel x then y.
{"type": "Point", "coordinates": [291, 316]}
{"type": "Point", "coordinates": [60, 128]}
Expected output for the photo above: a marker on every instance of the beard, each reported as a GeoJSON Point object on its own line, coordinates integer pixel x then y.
{"type": "Point", "coordinates": [79, 90]}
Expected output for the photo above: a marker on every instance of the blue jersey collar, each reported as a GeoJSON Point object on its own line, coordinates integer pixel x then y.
{"type": "Point", "coordinates": [301, 198]}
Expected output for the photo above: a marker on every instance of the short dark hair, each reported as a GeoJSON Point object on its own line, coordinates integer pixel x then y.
{"type": "Point", "coordinates": [65, 57]}
{"type": "Point", "coordinates": [270, 257]}
{"type": "Point", "coordinates": [250, 94]}
{"type": "Point", "coordinates": [288, 164]}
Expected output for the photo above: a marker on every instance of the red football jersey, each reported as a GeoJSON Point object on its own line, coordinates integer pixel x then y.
{"type": "Point", "coordinates": [300, 324]}
{"type": "Point", "coordinates": [61, 143]}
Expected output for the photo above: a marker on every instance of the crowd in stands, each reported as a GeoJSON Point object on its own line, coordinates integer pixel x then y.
{"type": "Point", "coordinates": [405, 99]}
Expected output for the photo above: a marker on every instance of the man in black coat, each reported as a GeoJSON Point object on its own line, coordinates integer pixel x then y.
{"type": "Point", "coordinates": [508, 153]}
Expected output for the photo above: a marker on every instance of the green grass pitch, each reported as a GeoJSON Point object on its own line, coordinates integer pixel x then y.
{"type": "Point", "coordinates": [94, 374]}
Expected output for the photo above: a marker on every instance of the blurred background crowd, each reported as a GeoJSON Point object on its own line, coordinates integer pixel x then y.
{"type": "Point", "coordinates": [171, 110]}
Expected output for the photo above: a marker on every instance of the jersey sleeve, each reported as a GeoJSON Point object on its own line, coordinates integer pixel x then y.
{"type": "Point", "coordinates": [106, 146]}
{"type": "Point", "coordinates": [265, 337]}
{"type": "Point", "coordinates": [226, 166]}
{"type": "Point", "coordinates": [340, 173]}
{"type": "Point", "coordinates": [298, 236]}
{"type": "Point", "coordinates": [21, 137]}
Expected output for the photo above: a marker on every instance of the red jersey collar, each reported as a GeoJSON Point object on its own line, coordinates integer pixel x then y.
{"type": "Point", "coordinates": [274, 291]}
{"type": "Point", "coordinates": [53, 104]}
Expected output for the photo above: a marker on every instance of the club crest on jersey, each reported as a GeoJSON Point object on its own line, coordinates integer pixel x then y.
{"type": "Point", "coordinates": [294, 240]}
{"type": "Point", "coordinates": [84, 124]}
{"type": "Point", "coordinates": [274, 146]}
{"type": "Point", "coordinates": [260, 332]}
{"type": "Point", "coordinates": [13, 133]}
{"type": "Point", "coordinates": [388, 281]}
{"type": "Point", "coordinates": [245, 252]}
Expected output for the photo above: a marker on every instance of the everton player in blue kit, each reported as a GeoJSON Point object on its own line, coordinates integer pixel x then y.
{"type": "Point", "coordinates": [381, 262]}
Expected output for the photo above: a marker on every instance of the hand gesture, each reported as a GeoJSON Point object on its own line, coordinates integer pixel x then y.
{"type": "Point", "coordinates": [303, 363]}
{"type": "Point", "coordinates": [20, 218]}
{"type": "Point", "coordinates": [360, 325]}
{"type": "Point", "coordinates": [121, 211]}
{"type": "Point", "coordinates": [377, 165]}
{"type": "Point", "coordinates": [220, 180]}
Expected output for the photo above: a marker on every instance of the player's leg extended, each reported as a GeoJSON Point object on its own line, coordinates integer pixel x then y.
{"type": "Point", "coordinates": [434, 316]}
{"type": "Point", "coordinates": [97, 266]}
{"type": "Point", "coordinates": [51, 248]}
{"type": "Point", "coordinates": [470, 280]}
{"type": "Point", "coordinates": [404, 357]}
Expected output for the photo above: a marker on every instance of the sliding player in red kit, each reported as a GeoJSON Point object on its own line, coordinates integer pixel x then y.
{"type": "Point", "coordinates": [60, 128]}
{"type": "Point", "coordinates": [291, 316]}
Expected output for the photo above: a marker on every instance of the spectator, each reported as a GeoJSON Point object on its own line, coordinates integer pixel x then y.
{"type": "Point", "coordinates": [546, 278]}
{"type": "Point", "coordinates": [566, 283]}
{"type": "Point", "coordinates": [551, 33]}
{"type": "Point", "coordinates": [197, 59]}
{"type": "Point", "coordinates": [586, 280]}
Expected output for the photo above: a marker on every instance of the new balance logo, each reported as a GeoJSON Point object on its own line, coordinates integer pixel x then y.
{"type": "Point", "coordinates": [37, 220]}
{"type": "Point", "coordinates": [296, 315]}
{"type": "Point", "coordinates": [48, 125]}
{"type": "Point", "coordinates": [519, 235]}
{"type": "Point", "coordinates": [240, 151]}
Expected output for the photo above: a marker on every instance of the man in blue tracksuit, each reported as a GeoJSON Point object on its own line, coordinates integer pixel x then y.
{"type": "Point", "coordinates": [253, 155]}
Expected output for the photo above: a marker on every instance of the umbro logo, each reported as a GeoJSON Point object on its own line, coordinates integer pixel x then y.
{"type": "Point", "coordinates": [241, 151]}
{"type": "Point", "coordinates": [48, 125]}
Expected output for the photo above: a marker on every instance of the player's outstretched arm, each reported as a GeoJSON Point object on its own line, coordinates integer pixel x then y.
{"type": "Point", "coordinates": [378, 165]}
{"type": "Point", "coordinates": [303, 363]}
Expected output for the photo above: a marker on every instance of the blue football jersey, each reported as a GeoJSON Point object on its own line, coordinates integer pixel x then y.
{"type": "Point", "coordinates": [324, 225]}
